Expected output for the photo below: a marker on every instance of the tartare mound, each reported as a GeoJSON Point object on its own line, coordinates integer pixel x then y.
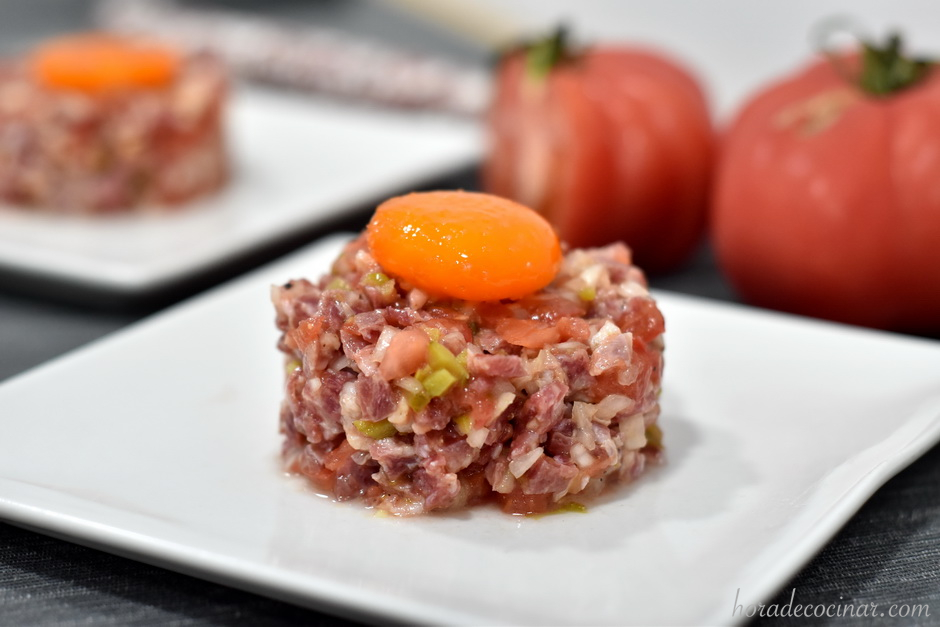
{"type": "Point", "coordinates": [415, 404]}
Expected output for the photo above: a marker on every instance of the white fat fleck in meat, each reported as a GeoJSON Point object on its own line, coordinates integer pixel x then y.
{"type": "Point", "coordinates": [543, 369]}
{"type": "Point", "coordinates": [318, 352]}
{"type": "Point", "coordinates": [629, 374]}
{"type": "Point", "coordinates": [477, 437]}
{"type": "Point", "coordinates": [354, 437]}
{"type": "Point", "coordinates": [608, 331]}
{"type": "Point", "coordinates": [502, 403]}
{"type": "Point", "coordinates": [633, 431]}
{"type": "Point", "coordinates": [627, 463]}
{"type": "Point", "coordinates": [364, 262]}
{"type": "Point", "coordinates": [578, 483]}
{"type": "Point", "coordinates": [605, 442]}
{"type": "Point", "coordinates": [361, 457]}
{"type": "Point", "coordinates": [340, 362]}
{"type": "Point", "coordinates": [504, 483]}
{"type": "Point", "coordinates": [381, 344]}
{"type": "Point", "coordinates": [417, 298]}
{"type": "Point", "coordinates": [566, 347]}
{"type": "Point", "coordinates": [518, 467]}
{"type": "Point", "coordinates": [410, 385]}
{"type": "Point", "coordinates": [632, 289]}
{"type": "Point", "coordinates": [349, 402]}
{"type": "Point", "coordinates": [364, 361]}
{"type": "Point", "coordinates": [581, 415]}
{"type": "Point", "coordinates": [614, 352]}
{"type": "Point", "coordinates": [593, 275]}
{"type": "Point", "coordinates": [577, 261]}
{"type": "Point", "coordinates": [401, 416]}
{"type": "Point", "coordinates": [344, 310]}
{"type": "Point", "coordinates": [581, 456]}
{"type": "Point", "coordinates": [612, 405]}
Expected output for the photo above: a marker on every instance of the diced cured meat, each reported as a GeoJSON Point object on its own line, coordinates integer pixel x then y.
{"type": "Point", "coordinates": [548, 476]}
{"type": "Point", "coordinates": [414, 405]}
{"type": "Point", "coordinates": [396, 457]}
{"type": "Point", "coordinates": [376, 399]}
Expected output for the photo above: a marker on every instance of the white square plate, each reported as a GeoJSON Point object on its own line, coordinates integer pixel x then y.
{"type": "Point", "coordinates": [298, 162]}
{"type": "Point", "coordinates": [161, 442]}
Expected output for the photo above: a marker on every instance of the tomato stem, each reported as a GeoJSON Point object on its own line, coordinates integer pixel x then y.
{"type": "Point", "coordinates": [885, 70]}
{"type": "Point", "coordinates": [544, 54]}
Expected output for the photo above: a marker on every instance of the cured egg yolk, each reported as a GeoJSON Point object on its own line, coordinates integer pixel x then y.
{"type": "Point", "coordinates": [464, 245]}
{"type": "Point", "coordinates": [96, 62]}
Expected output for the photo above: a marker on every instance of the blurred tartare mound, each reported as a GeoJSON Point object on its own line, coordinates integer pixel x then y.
{"type": "Point", "coordinates": [98, 123]}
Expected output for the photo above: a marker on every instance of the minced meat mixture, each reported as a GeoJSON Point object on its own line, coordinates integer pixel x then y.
{"type": "Point", "coordinates": [415, 404]}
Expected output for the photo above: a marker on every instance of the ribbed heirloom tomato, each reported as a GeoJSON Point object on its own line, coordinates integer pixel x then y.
{"type": "Point", "coordinates": [828, 193]}
{"type": "Point", "coordinates": [608, 143]}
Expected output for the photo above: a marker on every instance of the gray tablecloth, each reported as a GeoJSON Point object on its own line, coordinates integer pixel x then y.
{"type": "Point", "coordinates": [888, 553]}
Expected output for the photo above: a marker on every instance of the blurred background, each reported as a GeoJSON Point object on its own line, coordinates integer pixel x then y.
{"type": "Point", "coordinates": [735, 46]}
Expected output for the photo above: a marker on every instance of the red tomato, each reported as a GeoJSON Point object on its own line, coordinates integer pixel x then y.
{"type": "Point", "coordinates": [612, 144]}
{"type": "Point", "coordinates": [827, 200]}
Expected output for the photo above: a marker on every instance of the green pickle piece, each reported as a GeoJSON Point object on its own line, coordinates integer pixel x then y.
{"type": "Point", "coordinates": [380, 281]}
{"type": "Point", "coordinates": [417, 401]}
{"type": "Point", "coordinates": [440, 358]}
{"type": "Point", "coordinates": [375, 279]}
{"type": "Point", "coordinates": [654, 436]}
{"type": "Point", "coordinates": [375, 430]}
{"type": "Point", "coordinates": [292, 365]}
{"type": "Point", "coordinates": [337, 284]}
{"type": "Point", "coordinates": [438, 382]}
{"type": "Point", "coordinates": [587, 293]}
{"type": "Point", "coordinates": [463, 424]}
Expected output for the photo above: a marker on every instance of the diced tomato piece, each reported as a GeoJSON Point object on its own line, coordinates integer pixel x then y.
{"type": "Point", "coordinates": [552, 307]}
{"type": "Point", "coordinates": [576, 329]}
{"type": "Point", "coordinates": [517, 502]}
{"type": "Point", "coordinates": [528, 333]}
{"type": "Point", "coordinates": [307, 332]}
{"type": "Point", "coordinates": [339, 456]}
{"type": "Point", "coordinates": [321, 477]}
{"type": "Point", "coordinates": [644, 319]}
{"type": "Point", "coordinates": [407, 352]}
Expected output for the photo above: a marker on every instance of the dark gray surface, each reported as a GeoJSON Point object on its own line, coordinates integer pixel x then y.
{"type": "Point", "coordinates": [32, 331]}
{"type": "Point", "coordinates": [888, 554]}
